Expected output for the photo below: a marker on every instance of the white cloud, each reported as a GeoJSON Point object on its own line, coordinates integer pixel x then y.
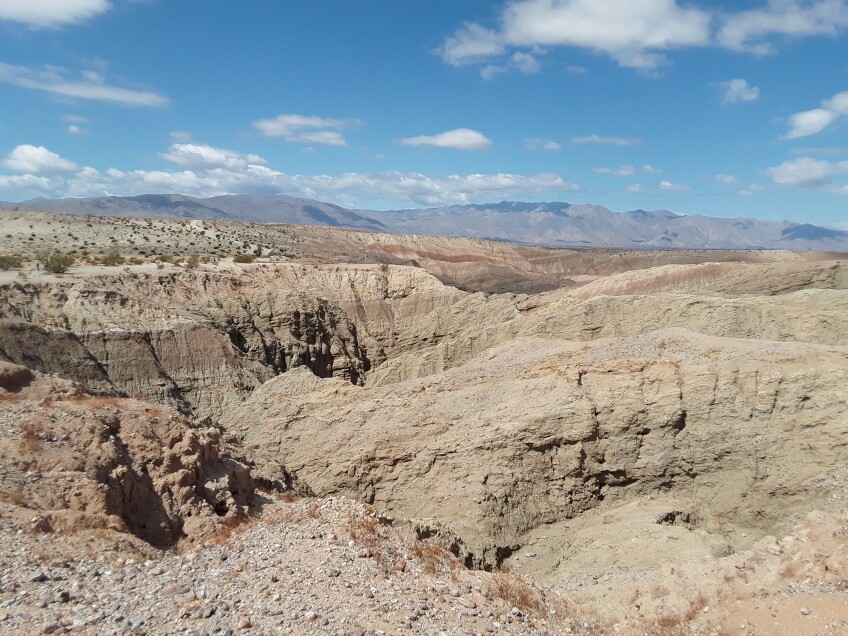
{"type": "Point", "coordinates": [622, 171]}
{"type": "Point", "coordinates": [637, 188]}
{"type": "Point", "coordinates": [648, 169]}
{"type": "Point", "coordinates": [234, 177]}
{"type": "Point", "coordinates": [492, 70]}
{"type": "Point", "coordinates": [36, 160]}
{"type": "Point", "coordinates": [51, 13]}
{"type": "Point", "coordinates": [182, 136]}
{"type": "Point", "coordinates": [459, 138]}
{"type": "Point", "coordinates": [471, 43]}
{"type": "Point", "coordinates": [673, 187]}
{"type": "Point", "coordinates": [90, 86]}
{"type": "Point", "coordinates": [304, 129]}
{"type": "Point", "coordinates": [751, 189]}
{"type": "Point", "coordinates": [536, 143]}
{"type": "Point", "coordinates": [750, 30]}
{"type": "Point", "coordinates": [201, 156]}
{"type": "Point", "coordinates": [810, 122]}
{"type": "Point", "coordinates": [838, 103]}
{"type": "Point", "coordinates": [73, 129]}
{"type": "Point", "coordinates": [612, 141]}
{"type": "Point", "coordinates": [639, 33]}
{"type": "Point", "coordinates": [806, 172]}
{"type": "Point", "coordinates": [577, 70]}
{"type": "Point", "coordinates": [816, 120]}
{"type": "Point", "coordinates": [525, 63]}
{"type": "Point", "coordinates": [737, 90]}
{"type": "Point", "coordinates": [727, 179]}
{"type": "Point", "coordinates": [520, 61]}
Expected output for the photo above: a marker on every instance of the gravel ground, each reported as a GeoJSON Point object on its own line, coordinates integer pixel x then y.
{"type": "Point", "coordinates": [320, 567]}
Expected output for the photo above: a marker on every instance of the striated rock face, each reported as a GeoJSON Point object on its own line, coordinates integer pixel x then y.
{"type": "Point", "coordinates": [794, 301]}
{"type": "Point", "coordinates": [535, 431]}
{"type": "Point", "coordinates": [72, 461]}
{"type": "Point", "coordinates": [198, 341]}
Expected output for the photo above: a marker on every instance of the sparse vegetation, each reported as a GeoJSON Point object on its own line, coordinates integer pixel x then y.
{"type": "Point", "coordinates": [112, 259]}
{"type": "Point", "coordinates": [58, 262]}
{"type": "Point", "coordinates": [244, 258]}
{"type": "Point", "coordinates": [517, 592]}
{"type": "Point", "coordinates": [10, 261]}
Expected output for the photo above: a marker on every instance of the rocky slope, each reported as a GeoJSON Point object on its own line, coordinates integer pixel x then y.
{"type": "Point", "coordinates": [74, 462]}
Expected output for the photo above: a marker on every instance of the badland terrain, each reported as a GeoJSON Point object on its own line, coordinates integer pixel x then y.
{"type": "Point", "coordinates": [219, 426]}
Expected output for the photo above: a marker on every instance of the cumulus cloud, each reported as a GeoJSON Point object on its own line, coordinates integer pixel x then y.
{"type": "Point", "coordinates": [673, 187]}
{"type": "Point", "coordinates": [637, 188]}
{"type": "Point", "coordinates": [648, 169]}
{"type": "Point", "coordinates": [459, 138]}
{"type": "Point", "coordinates": [537, 143]}
{"type": "Point", "coordinates": [51, 13]}
{"type": "Point", "coordinates": [215, 172]}
{"type": "Point", "coordinates": [738, 90]}
{"type": "Point", "coordinates": [612, 141]}
{"type": "Point", "coordinates": [811, 122]}
{"type": "Point", "coordinates": [623, 171]}
{"type": "Point", "coordinates": [639, 33]}
{"type": "Point", "coordinates": [73, 129]}
{"type": "Point", "coordinates": [89, 85]}
{"type": "Point", "coordinates": [471, 43]}
{"type": "Point", "coordinates": [304, 129]}
{"type": "Point", "coordinates": [727, 179]}
{"type": "Point", "coordinates": [201, 156]}
{"type": "Point", "coordinates": [525, 63]}
{"type": "Point", "coordinates": [36, 160]}
{"type": "Point", "coordinates": [750, 189]}
{"type": "Point", "coordinates": [750, 30]}
{"type": "Point", "coordinates": [520, 61]}
{"type": "Point", "coordinates": [806, 172]}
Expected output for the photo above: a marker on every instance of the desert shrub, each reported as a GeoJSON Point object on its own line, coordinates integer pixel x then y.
{"type": "Point", "coordinates": [517, 592]}
{"type": "Point", "coordinates": [432, 558]}
{"type": "Point", "coordinates": [192, 261]}
{"type": "Point", "coordinates": [112, 259]}
{"type": "Point", "coordinates": [57, 262]}
{"type": "Point", "coordinates": [10, 261]}
{"type": "Point", "coordinates": [244, 258]}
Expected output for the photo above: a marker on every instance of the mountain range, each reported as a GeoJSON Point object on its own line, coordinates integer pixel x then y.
{"type": "Point", "coordinates": [554, 224]}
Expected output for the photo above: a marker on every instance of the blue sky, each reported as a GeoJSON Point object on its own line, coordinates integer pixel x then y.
{"type": "Point", "coordinates": [719, 108]}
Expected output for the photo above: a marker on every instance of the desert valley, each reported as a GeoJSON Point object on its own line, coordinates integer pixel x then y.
{"type": "Point", "coordinates": [346, 432]}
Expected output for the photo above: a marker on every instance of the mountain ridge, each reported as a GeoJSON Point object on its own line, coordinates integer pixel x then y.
{"type": "Point", "coordinates": [552, 224]}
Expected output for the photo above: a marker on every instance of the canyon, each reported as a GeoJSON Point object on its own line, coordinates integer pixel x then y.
{"type": "Point", "coordinates": [622, 417]}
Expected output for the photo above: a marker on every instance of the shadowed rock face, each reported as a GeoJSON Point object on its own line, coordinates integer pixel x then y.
{"type": "Point", "coordinates": [80, 462]}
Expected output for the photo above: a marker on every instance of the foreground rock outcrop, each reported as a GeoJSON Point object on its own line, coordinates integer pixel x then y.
{"type": "Point", "coordinates": [75, 462]}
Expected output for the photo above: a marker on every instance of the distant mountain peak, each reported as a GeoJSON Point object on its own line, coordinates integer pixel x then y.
{"type": "Point", "coordinates": [551, 223]}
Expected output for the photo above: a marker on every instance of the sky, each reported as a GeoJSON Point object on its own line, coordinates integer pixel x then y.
{"type": "Point", "coordinates": [719, 108]}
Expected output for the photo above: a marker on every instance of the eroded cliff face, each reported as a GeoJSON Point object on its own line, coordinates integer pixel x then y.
{"type": "Point", "coordinates": [197, 340]}
{"type": "Point", "coordinates": [72, 461]}
{"type": "Point", "coordinates": [534, 432]}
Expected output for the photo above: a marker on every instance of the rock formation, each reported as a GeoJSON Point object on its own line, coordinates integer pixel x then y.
{"type": "Point", "coordinates": [535, 431]}
{"type": "Point", "coordinates": [72, 461]}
